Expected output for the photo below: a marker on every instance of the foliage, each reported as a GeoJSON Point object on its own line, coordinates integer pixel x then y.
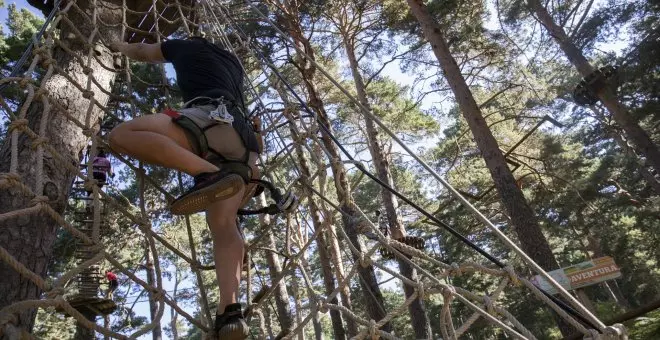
{"type": "Point", "coordinates": [588, 193]}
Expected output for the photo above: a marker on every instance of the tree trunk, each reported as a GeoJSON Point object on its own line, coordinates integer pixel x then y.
{"type": "Point", "coordinates": [84, 333]}
{"type": "Point", "coordinates": [106, 324]}
{"type": "Point", "coordinates": [29, 238]}
{"type": "Point", "coordinates": [373, 298]}
{"type": "Point", "coordinates": [331, 236]}
{"type": "Point", "coordinates": [522, 216]}
{"type": "Point", "coordinates": [610, 286]}
{"type": "Point", "coordinates": [420, 321]}
{"type": "Point", "coordinates": [156, 333]}
{"type": "Point", "coordinates": [335, 255]}
{"type": "Point", "coordinates": [275, 269]}
{"type": "Point", "coordinates": [642, 143]}
{"type": "Point", "coordinates": [315, 213]}
{"type": "Point", "coordinates": [173, 313]}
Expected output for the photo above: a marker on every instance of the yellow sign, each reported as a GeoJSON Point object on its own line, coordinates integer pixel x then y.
{"type": "Point", "coordinates": [580, 275]}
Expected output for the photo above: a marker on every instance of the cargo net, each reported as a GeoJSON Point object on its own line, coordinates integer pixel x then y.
{"type": "Point", "coordinates": [74, 90]}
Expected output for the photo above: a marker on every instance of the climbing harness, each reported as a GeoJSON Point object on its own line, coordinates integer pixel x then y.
{"type": "Point", "coordinates": [223, 111]}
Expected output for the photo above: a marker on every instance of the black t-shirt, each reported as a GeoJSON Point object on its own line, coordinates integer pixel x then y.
{"type": "Point", "coordinates": [204, 69]}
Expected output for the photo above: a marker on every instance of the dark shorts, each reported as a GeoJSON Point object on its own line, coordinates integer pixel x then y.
{"type": "Point", "coordinates": [114, 284]}
{"type": "Point", "coordinates": [101, 177]}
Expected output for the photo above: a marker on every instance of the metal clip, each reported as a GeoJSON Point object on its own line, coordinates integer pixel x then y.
{"type": "Point", "coordinates": [220, 114]}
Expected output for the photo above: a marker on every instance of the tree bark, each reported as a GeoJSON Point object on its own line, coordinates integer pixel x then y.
{"type": "Point", "coordinates": [420, 321]}
{"type": "Point", "coordinates": [522, 216]}
{"type": "Point", "coordinates": [84, 333]}
{"type": "Point", "coordinates": [640, 139]}
{"type": "Point", "coordinates": [29, 238]}
{"type": "Point", "coordinates": [275, 269]}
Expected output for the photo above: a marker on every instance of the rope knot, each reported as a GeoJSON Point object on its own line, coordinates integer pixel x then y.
{"type": "Point", "coordinates": [55, 292]}
{"type": "Point", "coordinates": [88, 132]}
{"type": "Point", "coordinates": [90, 184]}
{"type": "Point", "coordinates": [421, 291]}
{"type": "Point", "coordinates": [37, 50]}
{"type": "Point", "coordinates": [11, 178]}
{"type": "Point", "coordinates": [253, 307]}
{"type": "Point", "coordinates": [488, 302]}
{"type": "Point", "coordinates": [455, 269]}
{"type": "Point", "coordinates": [24, 82]}
{"type": "Point", "coordinates": [365, 261]}
{"type": "Point", "coordinates": [48, 62]}
{"type": "Point", "coordinates": [39, 200]}
{"type": "Point", "coordinates": [96, 248]}
{"type": "Point", "coordinates": [322, 306]}
{"type": "Point", "coordinates": [373, 329]}
{"type": "Point", "coordinates": [88, 94]}
{"type": "Point", "coordinates": [448, 293]}
{"type": "Point", "coordinates": [87, 70]}
{"type": "Point", "coordinates": [39, 142]}
{"type": "Point", "coordinates": [40, 92]}
{"type": "Point", "coordinates": [512, 275]}
{"type": "Point", "coordinates": [295, 261]}
{"type": "Point", "coordinates": [158, 294]}
{"type": "Point", "coordinates": [19, 124]}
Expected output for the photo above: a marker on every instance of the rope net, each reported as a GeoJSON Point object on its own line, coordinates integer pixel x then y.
{"type": "Point", "coordinates": [73, 83]}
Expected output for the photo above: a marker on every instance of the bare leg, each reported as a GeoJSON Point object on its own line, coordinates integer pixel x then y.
{"type": "Point", "coordinates": [228, 247]}
{"type": "Point", "coordinates": [155, 139]}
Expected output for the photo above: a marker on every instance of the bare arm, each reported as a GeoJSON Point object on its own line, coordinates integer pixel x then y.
{"type": "Point", "coordinates": [150, 53]}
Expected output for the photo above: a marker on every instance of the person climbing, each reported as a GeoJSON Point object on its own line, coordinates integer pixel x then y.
{"type": "Point", "coordinates": [112, 283]}
{"type": "Point", "coordinates": [101, 169]}
{"type": "Point", "coordinates": [211, 139]}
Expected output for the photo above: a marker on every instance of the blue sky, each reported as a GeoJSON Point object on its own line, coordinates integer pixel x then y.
{"type": "Point", "coordinates": [19, 4]}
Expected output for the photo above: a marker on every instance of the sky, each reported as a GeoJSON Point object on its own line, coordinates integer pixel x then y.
{"type": "Point", "coordinates": [393, 71]}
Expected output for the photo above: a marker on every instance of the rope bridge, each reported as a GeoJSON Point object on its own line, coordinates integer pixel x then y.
{"type": "Point", "coordinates": [68, 87]}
